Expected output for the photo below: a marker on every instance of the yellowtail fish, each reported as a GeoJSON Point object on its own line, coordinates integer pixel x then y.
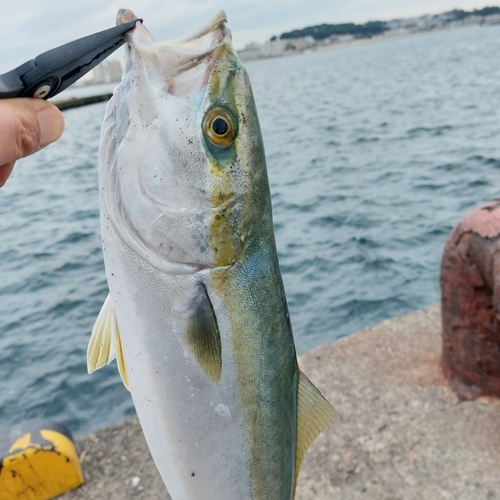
{"type": "Point", "coordinates": [196, 314]}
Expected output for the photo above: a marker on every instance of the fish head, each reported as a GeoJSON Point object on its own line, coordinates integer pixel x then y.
{"type": "Point", "coordinates": [183, 176]}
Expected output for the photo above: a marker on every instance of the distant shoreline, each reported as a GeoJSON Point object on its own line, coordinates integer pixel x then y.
{"type": "Point", "coordinates": [357, 42]}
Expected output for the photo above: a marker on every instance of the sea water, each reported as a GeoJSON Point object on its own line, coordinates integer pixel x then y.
{"type": "Point", "coordinates": [374, 153]}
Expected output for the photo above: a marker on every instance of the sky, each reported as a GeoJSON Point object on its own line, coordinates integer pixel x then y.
{"type": "Point", "coordinates": [30, 27]}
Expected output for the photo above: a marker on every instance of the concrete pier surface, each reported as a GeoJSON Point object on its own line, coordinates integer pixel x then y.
{"type": "Point", "coordinates": [404, 435]}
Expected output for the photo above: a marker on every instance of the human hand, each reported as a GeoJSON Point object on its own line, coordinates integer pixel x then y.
{"type": "Point", "coordinates": [26, 126]}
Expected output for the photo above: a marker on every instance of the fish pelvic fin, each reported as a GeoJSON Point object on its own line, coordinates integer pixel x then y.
{"type": "Point", "coordinates": [314, 415]}
{"type": "Point", "coordinates": [203, 337]}
{"type": "Point", "coordinates": [105, 344]}
{"type": "Point", "coordinates": [120, 361]}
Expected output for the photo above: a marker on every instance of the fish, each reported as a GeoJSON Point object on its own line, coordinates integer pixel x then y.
{"type": "Point", "coordinates": [196, 315]}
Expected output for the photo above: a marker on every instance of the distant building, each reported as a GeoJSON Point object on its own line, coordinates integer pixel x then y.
{"type": "Point", "coordinates": [273, 48]}
{"type": "Point", "coordinates": [493, 19]}
{"type": "Point", "coordinates": [250, 52]}
{"type": "Point", "coordinates": [109, 71]}
{"type": "Point", "coordinates": [344, 38]}
{"type": "Point", "coordinates": [473, 20]}
{"type": "Point", "coordinates": [395, 24]}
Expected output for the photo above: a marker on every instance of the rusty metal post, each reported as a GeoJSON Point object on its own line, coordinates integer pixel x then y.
{"type": "Point", "coordinates": [470, 303]}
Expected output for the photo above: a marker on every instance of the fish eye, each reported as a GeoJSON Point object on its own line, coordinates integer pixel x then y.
{"type": "Point", "coordinates": [219, 127]}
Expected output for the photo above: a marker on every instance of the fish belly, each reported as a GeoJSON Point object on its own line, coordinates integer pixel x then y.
{"type": "Point", "coordinates": [194, 427]}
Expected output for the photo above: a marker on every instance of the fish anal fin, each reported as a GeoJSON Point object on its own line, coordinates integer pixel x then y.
{"type": "Point", "coordinates": [102, 345]}
{"type": "Point", "coordinates": [314, 415]}
{"type": "Point", "coordinates": [203, 337]}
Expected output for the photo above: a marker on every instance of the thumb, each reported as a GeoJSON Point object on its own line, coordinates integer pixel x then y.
{"type": "Point", "coordinates": [26, 126]}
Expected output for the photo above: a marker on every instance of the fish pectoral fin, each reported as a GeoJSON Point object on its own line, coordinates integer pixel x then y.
{"type": "Point", "coordinates": [314, 415]}
{"type": "Point", "coordinates": [203, 337]}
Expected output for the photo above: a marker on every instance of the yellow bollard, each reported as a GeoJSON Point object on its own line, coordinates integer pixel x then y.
{"type": "Point", "coordinates": [38, 461]}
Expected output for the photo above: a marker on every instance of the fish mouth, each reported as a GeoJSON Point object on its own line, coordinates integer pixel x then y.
{"type": "Point", "coordinates": [182, 54]}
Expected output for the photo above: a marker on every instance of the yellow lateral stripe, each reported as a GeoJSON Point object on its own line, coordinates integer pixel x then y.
{"type": "Point", "coordinates": [220, 229]}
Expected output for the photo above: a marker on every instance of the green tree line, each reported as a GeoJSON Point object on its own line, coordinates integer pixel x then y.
{"type": "Point", "coordinates": [459, 15]}
{"type": "Point", "coordinates": [323, 31]}
{"type": "Point", "coordinates": [372, 28]}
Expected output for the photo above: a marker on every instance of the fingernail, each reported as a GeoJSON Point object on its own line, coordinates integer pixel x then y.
{"type": "Point", "coordinates": [51, 125]}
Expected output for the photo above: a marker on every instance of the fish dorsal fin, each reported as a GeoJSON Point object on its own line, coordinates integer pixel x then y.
{"type": "Point", "coordinates": [314, 415]}
{"type": "Point", "coordinates": [105, 344]}
{"type": "Point", "coordinates": [203, 337]}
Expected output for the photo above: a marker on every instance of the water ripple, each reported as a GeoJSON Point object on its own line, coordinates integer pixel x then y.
{"type": "Point", "coordinates": [374, 153]}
